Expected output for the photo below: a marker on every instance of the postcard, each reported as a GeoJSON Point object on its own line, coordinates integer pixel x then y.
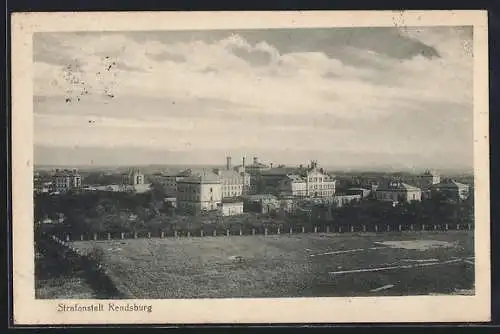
{"type": "Point", "coordinates": [250, 167]}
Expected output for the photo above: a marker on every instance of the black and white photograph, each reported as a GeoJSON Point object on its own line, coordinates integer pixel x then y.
{"type": "Point", "coordinates": [270, 163]}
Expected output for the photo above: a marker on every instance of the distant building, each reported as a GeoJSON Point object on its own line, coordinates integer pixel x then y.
{"type": "Point", "coordinates": [201, 191]}
{"type": "Point", "coordinates": [300, 182]}
{"type": "Point", "coordinates": [292, 185]}
{"type": "Point", "coordinates": [234, 182]}
{"type": "Point", "coordinates": [170, 180]}
{"type": "Point", "coordinates": [428, 178]}
{"type": "Point", "coordinates": [452, 189]}
{"type": "Point", "coordinates": [344, 199]}
{"type": "Point", "coordinates": [133, 177]}
{"type": "Point", "coordinates": [253, 171]}
{"type": "Point", "coordinates": [363, 192]}
{"type": "Point", "coordinates": [396, 191]}
{"type": "Point", "coordinates": [66, 180]}
{"type": "Point", "coordinates": [232, 206]}
{"type": "Point", "coordinates": [263, 203]}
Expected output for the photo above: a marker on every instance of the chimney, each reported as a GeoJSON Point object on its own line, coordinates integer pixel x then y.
{"type": "Point", "coordinates": [243, 162]}
{"type": "Point", "coordinates": [255, 160]}
{"type": "Point", "coordinates": [228, 163]}
{"type": "Point", "coordinates": [271, 165]}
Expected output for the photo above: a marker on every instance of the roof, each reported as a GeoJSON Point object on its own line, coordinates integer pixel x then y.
{"type": "Point", "coordinates": [261, 197]}
{"type": "Point", "coordinates": [450, 183]}
{"type": "Point", "coordinates": [397, 186]}
{"type": "Point", "coordinates": [66, 172]}
{"type": "Point", "coordinates": [201, 177]}
{"type": "Point", "coordinates": [255, 165]}
{"type": "Point", "coordinates": [280, 171]}
{"type": "Point", "coordinates": [228, 174]}
{"type": "Point", "coordinates": [295, 178]}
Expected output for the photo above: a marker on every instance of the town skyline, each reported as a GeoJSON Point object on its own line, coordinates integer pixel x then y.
{"type": "Point", "coordinates": [345, 97]}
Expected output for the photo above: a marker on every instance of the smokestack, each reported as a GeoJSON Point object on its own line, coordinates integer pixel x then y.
{"type": "Point", "coordinates": [271, 165]}
{"type": "Point", "coordinates": [255, 160]}
{"type": "Point", "coordinates": [228, 163]}
{"type": "Point", "coordinates": [243, 162]}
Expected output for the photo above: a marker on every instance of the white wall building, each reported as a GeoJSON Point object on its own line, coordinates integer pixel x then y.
{"type": "Point", "coordinates": [199, 192]}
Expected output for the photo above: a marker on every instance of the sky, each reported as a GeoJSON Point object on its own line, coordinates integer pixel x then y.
{"type": "Point", "coordinates": [347, 97]}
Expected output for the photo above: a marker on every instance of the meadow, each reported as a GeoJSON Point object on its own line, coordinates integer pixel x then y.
{"type": "Point", "coordinates": [299, 265]}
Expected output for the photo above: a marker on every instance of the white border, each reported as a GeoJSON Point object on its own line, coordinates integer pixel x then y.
{"type": "Point", "coordinates": [27, 310]}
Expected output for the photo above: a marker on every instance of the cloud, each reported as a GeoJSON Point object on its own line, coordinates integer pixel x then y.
{"type": "Point", "coordinates": [294, 88]}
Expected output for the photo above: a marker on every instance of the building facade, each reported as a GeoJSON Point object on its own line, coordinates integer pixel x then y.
{"type": "Point", "coordinates": [66, 180]}
{"type": "Point", "coordinates": [133, 177]}
{"type": "Point", "coordinates": [199, 192]}
{"type": "Point", "coordinates": [398, 192]}
{"type": "Point", "coordinates": [232, 207]}
{"type": "Point", "coordinates": [452, 189]}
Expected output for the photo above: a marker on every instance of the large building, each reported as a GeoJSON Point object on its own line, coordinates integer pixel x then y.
{"type": "Point", "coordinates": [133, 177]}
{"type": "Point", "coordinates": [201, 191]}
{"type": "Point", "coordinates": [452, 189]}
{"type": "Point", "coordinates": [170, 180]}
{"type": "Point", "coordinates": [66, 180]}
{"type": "Point", "coordinates": [428, 178]}
{"type": "Point", "coordinates": [235, 182]}
{"type": "Point", "coordinates": [298, 182]}
{"type": "Point", "coordinates": [253, 174]}
{"type": "Point", "coordinates": [396, 191]}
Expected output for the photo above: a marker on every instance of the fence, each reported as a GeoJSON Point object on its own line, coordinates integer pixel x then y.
{"type": "Point", "coordinates": [263, 230]}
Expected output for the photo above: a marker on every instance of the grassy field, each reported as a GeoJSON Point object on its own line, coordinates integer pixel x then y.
{"type": "Point", "coordinates": [302, 265]}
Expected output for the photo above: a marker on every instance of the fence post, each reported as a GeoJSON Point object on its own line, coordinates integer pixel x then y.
{"type": "Point", "coordinates": [67, 238]}
{"type": "Point", "coordinates": [214, 233]}
{"type": "Point", "coordinates": [201, 233]}
{"type": "Point", "coordinates": [189, 234]}
{"type": "Point", "coordinates": [241, 231]}
{"type": "Point", "coordinates": [109, 236]}
{"type": "Point", "coordinates": [315, 229]}
{"type": "Point", "coordinates": [265, 231]}
{"type": "Point", "coordinates": [340, 229]}
{"type": "Point", "coordinates": [458, 227]}
{"type": "Point", "coordinates": [81, 237]}
{"type": "Point", "coordinates": [122, 235]}
{"type": "Point", "coordinates": [149, 235]}
{"type": "Point", "coordinates": [95, 236]}
{"type": "Point", "coordinates": [435, 227]}
{"type": "Point", "coordinates": [399, 228]}
{"type": "Point", "coordinates": [411, 227]}
{"type": "Point", "coordinates": [162, 234]}
{"type": "Point", "coordinates": [303, 229]}
{"type": "Point", "coordinates": [423, 227]}
{"type": "Point", "coordinates": [253, 231]}
{"type": "Point", "coordinates": [175, 233]}
{"type": "Point", "coordinates": [376, 228]}
{"type": "Point", "coordinates": [328, 229]}
{"type": "Point", "coordinates": [388, 228]}
{"type": "Point", "coordinates": [291, 231]}
{"type": "Point", "coordinates": [446, 227]}
{"type": "Point", "coordinates": [352, 228]}
{"type": "Point", "coordinates": [227, 232]}
{"type": "Point", "coordinates": [364, 228]}
{"type": "Point", "coordinates": [135, 235]}
{"type": "Point", "coordinates": [279, 231]}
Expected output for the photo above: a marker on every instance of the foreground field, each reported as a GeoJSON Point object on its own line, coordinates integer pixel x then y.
{"type": "Point", "coordinates": [304, 265]}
